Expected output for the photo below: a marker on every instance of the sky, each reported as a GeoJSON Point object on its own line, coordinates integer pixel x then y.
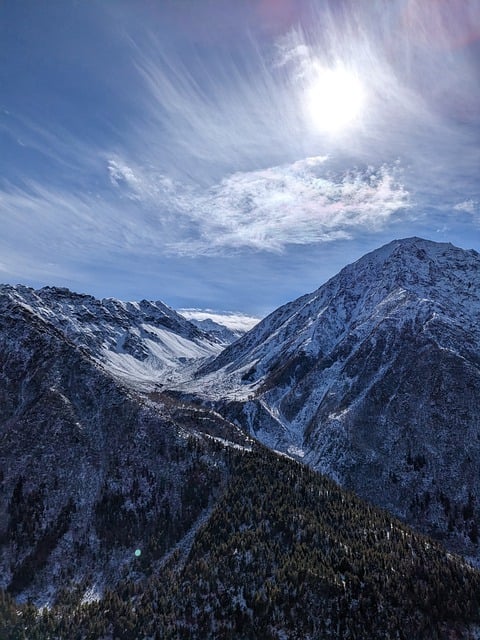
{"type": "Point", "coordinates": [231, 155]}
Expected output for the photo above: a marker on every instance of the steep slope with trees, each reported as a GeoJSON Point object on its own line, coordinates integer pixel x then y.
{"type": "Point", "coordinates": [286, 554]}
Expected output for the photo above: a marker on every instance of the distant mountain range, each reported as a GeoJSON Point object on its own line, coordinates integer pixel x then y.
{"type": "Point", "coordinates": [141, 343]}
{"type": "Point", "coordinates": [139, 453]}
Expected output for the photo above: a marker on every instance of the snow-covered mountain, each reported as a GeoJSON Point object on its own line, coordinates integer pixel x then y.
{"type": "Point", "coordinates": [145, 344]}
{"type": "Point", "coordinates": [115, 415]}
{"type": "Point", "coordinates": [226, 327]}
{"type": "Point", "coordinates": [120, 422]}
{"type": "Point", "coordinates": [374, 379]}
{"type": "Point", "coordinates": [90, 468]}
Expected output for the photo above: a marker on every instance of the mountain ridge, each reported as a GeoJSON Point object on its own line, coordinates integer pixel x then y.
{"type": "Point", "coordinates": [372, 380]}
{"type": "Point", "coordinates": [375, 371]}
{"type": "Point", "coordinates": [140, 343]}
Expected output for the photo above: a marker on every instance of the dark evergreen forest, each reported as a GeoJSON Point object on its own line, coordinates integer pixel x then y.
{"type": "Point", "coordinates": [285, 553]}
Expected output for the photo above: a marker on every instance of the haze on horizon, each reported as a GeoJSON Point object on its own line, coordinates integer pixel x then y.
{"type": "Point", "coordinates": [232, 155]}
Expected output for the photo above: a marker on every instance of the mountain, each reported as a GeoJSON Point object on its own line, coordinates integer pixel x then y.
{"type": "Point", "coordinates": [144, 344]}
{"type": "Point", "coordinates": [226, 327]}
{"type": "Point", "coordinates": [373, 379]}
{"type": "Point", "coordinates": [137, 501]}
{"type": "Point", "coordinates": [89, 468]}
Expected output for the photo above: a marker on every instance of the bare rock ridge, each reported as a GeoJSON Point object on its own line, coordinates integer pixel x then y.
{"type": "Point", "coordinates": [373, 379]}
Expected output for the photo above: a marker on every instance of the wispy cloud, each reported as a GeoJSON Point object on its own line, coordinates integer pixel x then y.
{"type": "Point", "coordinates": [293, 204]}
{"type": "Point", "coordinates": [207, 116]}
{"type": "Point", "coordinates": [469, 206]}
{"type": "Point", "coordinates": [69, 225]}
{"type": "Point", "coordinates": [147, 213]}
{"type": "Point", "coordinates": [64, 156]}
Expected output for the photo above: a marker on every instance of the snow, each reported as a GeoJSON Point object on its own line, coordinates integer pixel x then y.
{"type": "Point", "coordinates": [91, 594]}
{"type": "Point", "coordinates": [174, 346]}
{"type": "Point", "coordinates": [227, 443]}
{"type": "Point", "coordinates": [297, 452]}
{"type": "Point", "coordinates": [143, 344]}
{"type": "Point", "coordinates": [297, 378]}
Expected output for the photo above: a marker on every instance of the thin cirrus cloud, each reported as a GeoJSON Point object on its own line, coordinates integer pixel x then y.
{"type": "Point", "coordinates": [224, 135]}
{"type": "Point", "coordinates": [68, 225]}
{"type": "Point", "coordinates": [197, 171]}
{"type": "Point", "coordinates": [202, 119]}
{"type": "Point", "coordinates": [224, 149]}
{"type": "Point", "coordinates": [468, 206]}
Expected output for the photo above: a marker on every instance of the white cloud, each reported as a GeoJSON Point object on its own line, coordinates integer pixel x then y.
{"type": "Point", "coordinates": [67, 225]}
{"type": "Point", "coordinates": [205, 164]}
{"type": "Point", "coordinates": [146, 213]}
{"type": "Point", "coordinates": [294, 204]}
{"type": "Point", "coordinates": [209, 118]}
{"type": "Point", "coordinates": [139, 184]}
{"type": "Point", "coordinates": [230, 319]}
{"type": "Point", "coordinates": [300, 203]}
{"type": "Point", "coordinates": [469, 206]}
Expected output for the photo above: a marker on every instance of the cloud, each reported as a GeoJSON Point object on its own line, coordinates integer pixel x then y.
{"type": "Point", "coordinates": [146, 213]}
{"type": "Point", "coordinates": [64, 155]}
{"type": "Point", "coordinates": [469, 206]}
{"type": "Point", "coordinates": [75, 226]}
{"type": "Point", "coordinates": [207, 150]}
{"type": "Point", "coordinates": [138, 184]}
{"type": "Point", "coordinates": [230, 319]}
{"type": "Point", "coordinates": [293, 204]}
{"type": "Point", "coordinates": [203, 117]}
{"type": "Point", "coordinates": [266, 210]}
{"type": "Point", "coordinates": [208, 119]}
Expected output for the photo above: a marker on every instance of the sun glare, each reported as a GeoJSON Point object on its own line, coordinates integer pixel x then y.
{"type": "Point", "coordinates": [334, 99]}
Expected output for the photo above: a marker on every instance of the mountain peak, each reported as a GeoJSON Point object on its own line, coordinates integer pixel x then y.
{"type": "Point", "coordinates": [373, 375]}
{"type": "Point", "coordinates": [423, 268]}
{"type": "Point", "coordinates": [416, 249]}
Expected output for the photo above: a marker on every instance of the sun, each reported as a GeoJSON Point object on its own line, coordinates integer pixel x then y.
{"type": "Point", "coordinates": [334, 99]}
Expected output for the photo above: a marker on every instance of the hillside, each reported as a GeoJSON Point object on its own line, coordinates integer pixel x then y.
{"type": "Point", "coordinates": [155, 486]}
{"type": "Point", "coordinates": [89, 468]}
{"type": "Point", "coordinates": [285, 554]}
{"type": "Point", "coordinates": [142, 344]}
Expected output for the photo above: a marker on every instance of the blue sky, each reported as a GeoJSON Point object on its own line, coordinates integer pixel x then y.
{"type": "Point", "coordinates": [190, 151]}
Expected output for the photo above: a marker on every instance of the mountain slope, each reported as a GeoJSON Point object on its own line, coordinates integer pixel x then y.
{"type": "Point", "coordinates": [89, 470]}
{"type": "Point", "coordinates": [373, 379]}
{"type": "Point", "coordinates": [152, 504]}
{"type": "Point", "coordinates": [286, 554]}
{"type": "Point", "coordinates": [142, 343]}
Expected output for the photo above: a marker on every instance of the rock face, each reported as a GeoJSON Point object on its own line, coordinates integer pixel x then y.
{"type": "Point", "coordinates": [374, 380]}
